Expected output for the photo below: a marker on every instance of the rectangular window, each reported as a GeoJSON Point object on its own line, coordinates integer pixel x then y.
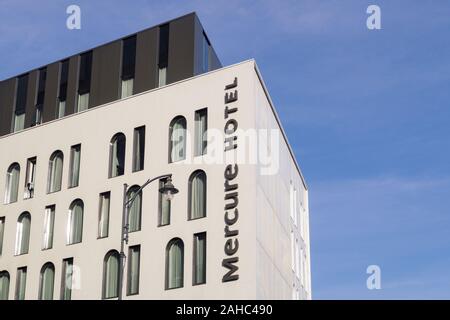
{"type": "Point", "coordinates": [199, 267]}
{"type": "Point", "coordinates": [103, 221]}
{"type": "Point", "coordinates": [19, 122]}
{"type": "Point", "coordinates": [21, 101]}
{"type": "Point", "coordinates": [74, 173]}
{"type": "Point", "coordinates": [164, 207]}
{"type": "Point", "coordinates": [139, 149]}
{"type": "Point", "coordinates": [84, 81]}
{"type": "Point", "coordinates": [201, 127]}
{"type": "Point", "coordinates": [163, 54]}
{"type": "Point", "coordinates": [49, 222]}
{"type": "Point", "coordinates": [67, 279]}
{"type": "Point", "coordinates": [162, 77]}
{"type": "Point", "coordinates": [61, 109]}
{"type": "Point", "coordinates": [40, 95]}
{"type": "Point", "coordinates": [30, 178]}
{"type": "Point", "coordinates": [133, 270]}
{"type": "Point", "coordinates": [83, 102]}
{"type": "Point", "coordinates": [21, 283]}
{"type": "Point", "coordinates": [38, 115]}
{"type": "Point", "coordinates": [2, 231]}
{"type": "Point", "coordinates": [63, 80]}
{"type": "Point", "coordinates": [128, 65]}
{"type": "Point", "coordinates": [127, 88]}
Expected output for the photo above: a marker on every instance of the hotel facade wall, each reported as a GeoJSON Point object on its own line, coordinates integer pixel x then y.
{"type": "Point", "coordinates": [277, 218]}
{"type": "Point", "coordinates": [263, 225]}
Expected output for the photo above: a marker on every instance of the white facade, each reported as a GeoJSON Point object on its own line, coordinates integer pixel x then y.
{"type": "Point", "coordinates": [273, 229]}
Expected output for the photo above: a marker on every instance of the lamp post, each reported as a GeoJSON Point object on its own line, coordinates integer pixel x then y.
{"type": "Point", "coordinates": [168, 191]}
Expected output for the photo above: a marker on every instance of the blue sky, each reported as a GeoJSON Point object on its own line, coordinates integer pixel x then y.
{"type": "Point", "coordinates": [367, 114]}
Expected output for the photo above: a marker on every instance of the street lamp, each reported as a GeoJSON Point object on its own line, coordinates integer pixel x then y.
{"type": "Point", "coordinates": [168, 190]}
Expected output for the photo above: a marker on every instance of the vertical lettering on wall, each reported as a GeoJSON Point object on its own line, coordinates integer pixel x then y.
{"type": "Point", "coordinates": [231, 216]}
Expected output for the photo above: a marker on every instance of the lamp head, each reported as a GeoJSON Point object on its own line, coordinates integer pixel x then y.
{"type": "Point", "coordinates": [168, 190]}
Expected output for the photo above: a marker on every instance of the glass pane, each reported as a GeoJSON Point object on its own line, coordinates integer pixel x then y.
{"type": "Point", "coordinates": [162, 76]}
{"type": "Point", "coordinates": [139, 149]}
{"type": "Point", "coordinates": [134, 213]}
{"type": "Point", "coordinates": [19, 122]}
{"type": "Point", "coordinates": [56, 167]}
{"type": "Point", "coordinates": [47, 283]}
{"type": "Point", "coordinates": [83, 102]}
{"type": "Point", "coordinates": [67, 279]}
{"type": "Point", "coordinates": [200, 132]}
{"type": "Point", "coordinates": [198, 196]}
{"type": "Point", "coordinates": [61, 109]}
{"type": "Point", "coordinates": [103, 225]}
{"type": "Point", "coordinates": [175, 265]}
{"type": "Point", "coordinates": [21, 283]}
{"type": "Point", "coordinates": [133, 270]}
{"type": "Point", "coordinates": [112, 276]}
{"type": "Point", "coordinates": [117, 157]}
{"type": "Point", "coordinates": [178, 140]}
{"type": "Point", "coordinates": [164, 207]}
{"type": "Point", "coordinates": [23, 234]}
{"type": "Point", "coordinates": [49, 221]}
{"type": "Point", "coordinates": [30, 177]}
{"type": "Point", "coordinates": [12, 188]}
{"type": "Point", "coordinates": [127, 88]}
{"type": "Point", "coordinates": [200, 258]}
{"type": "Point", "coordinates": [4, 286]}
{"type": "Point", "coordinates": [2, 230]}
{"type": "Point", "coordinates": [76, 223]}
{"type": "Point", "coordinates": [75, 166]}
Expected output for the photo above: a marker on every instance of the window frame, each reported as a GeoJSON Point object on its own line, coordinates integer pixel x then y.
{"type": "Point", "coordinates": [51, 173]}
{"type": "Point", "coordinates": [17, 291]}
{"type": "Point", "coordinates": [109, 254]}
{"type": "Point", "coordinates": [20, 235]}
{"type": "Point", "coordinates": [167, 263]}
{"type": "Point", "coordinates": [8, 188]}
{"type": "Point", "coordinates": [41, 279]}
{"type": "Point", "coordinates": [194, 175]}
{"type": "Point", "coordinates": [111, 156]}
{"type": "Point", "coordinates": [69, 223]}
{"type": "Point", "coordinates": [198, 114]}
{"type": "Point", "coordinates": [129, 270]}
{"type": "Point", "coordinates": [194, 258]}
{"type": "Point", "coordinates": [141, 132]}
{"type": "Point", "coordinates": [100, 211]}
{"type": "Point", "coordinates": [64, 275]}
{"type": "Point", "coordinates": [171, 143]}
{"type": "Point", "coordinates": [73, 150]}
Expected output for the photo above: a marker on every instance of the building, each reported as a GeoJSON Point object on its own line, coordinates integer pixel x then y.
{"type": "Point", "coordinates": [154, 103]}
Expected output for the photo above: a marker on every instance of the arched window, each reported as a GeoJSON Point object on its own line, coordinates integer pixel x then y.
{"type": "Point", "coordinates": [23, 233]}
{"type": "Point", "coordinates": [55, 170]}
{"type": "Point", "coordinates": [12, 183]}
{"type": "Point", "coordinates": [47, 281]}
{"type": "Point", "coordinates": [111, 275]}
{"type": "Point", "coordinates": [197, 195]}
{"type": "Point", "coordinates": [4, 285]}
{"type": "Point", "coordinates": [117, 155]}
{"type": "Point", "coordinates": [177, 139]}
{"type": "Point", "coordinates": [135, 211]}
{"type": "Point", "coordinates": [174, 264]}
{"type": "Point", "coordinates": [75, 222]}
